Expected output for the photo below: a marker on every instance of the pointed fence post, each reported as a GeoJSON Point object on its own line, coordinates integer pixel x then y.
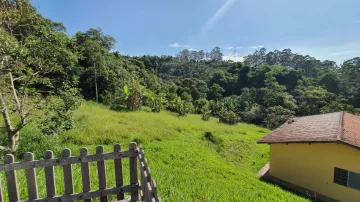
{"type": "Point", "coordinates": [49, 176]}
{"type": "Point", "coordinates": [13, 189]}
{"type": "Point", "coordinates": [1, 191]}
{"type": "Point", "coordinates": [134, 174]}
{"type": "Point", "coordinates": [31, 178]}
{"type": "Point", "coordinates": [68, 179]}
{"type": "Point", "coordinates": [101, 172]}
{"type": "Point", "coordinates": [85, 173]}
{"type": "Point", "coordinates": [118, 172]}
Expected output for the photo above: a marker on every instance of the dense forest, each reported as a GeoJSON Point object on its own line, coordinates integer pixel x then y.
{"type": "Point", "coordinates": [45, 74]}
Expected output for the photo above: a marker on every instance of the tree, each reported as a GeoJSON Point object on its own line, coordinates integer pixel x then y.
{"type": "Point", "coordinates": [201, 54]}
{"type": "Point", "coordinates": [94, 47]}
{"type": "Point", "coordinates": [276, 116]}
{"type": "Point", "coordinates": [216, 54]}
{"type": "Point", "coordinates": [216, 92]}
{"type": "Point", "coordinates": [194, 55]}
{"type": "Point", "coordinates": [350, 78]}
{"type": "Point", "coordinates": [184, 54]}
{"type": "Point", "coordinates": [34, 56]}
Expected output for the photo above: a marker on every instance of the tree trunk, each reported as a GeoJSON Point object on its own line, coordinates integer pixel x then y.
{"type": "Point", "coordinates": [14, 140]}
{"type": "Point", "coordinates": [13, 137]}
{"type": "Point", "coordinates": [96, 88]}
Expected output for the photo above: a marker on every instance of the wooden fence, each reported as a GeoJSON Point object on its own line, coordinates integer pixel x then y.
{"type": "Point", "coordinates": [146, 190]}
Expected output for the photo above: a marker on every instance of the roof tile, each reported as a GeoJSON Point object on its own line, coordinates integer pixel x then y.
{"type": "Point", "coordinates": [331, 127]}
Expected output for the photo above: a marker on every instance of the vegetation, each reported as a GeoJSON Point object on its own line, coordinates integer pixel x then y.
{"type": "Point", "coordinates": [187, 164]}
{"type": "Point", "coordinates": [45, 75]}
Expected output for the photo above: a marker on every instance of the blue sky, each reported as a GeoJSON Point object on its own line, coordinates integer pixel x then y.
{"type": "Point", "coordinates": [326, 29]}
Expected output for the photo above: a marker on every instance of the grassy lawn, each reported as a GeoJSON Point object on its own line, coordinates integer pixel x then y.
{"type": "Point", "coordinates": [186, 166]}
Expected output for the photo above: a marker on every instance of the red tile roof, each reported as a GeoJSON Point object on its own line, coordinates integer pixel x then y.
{"type": "Point", "coordinates": [333, 127]}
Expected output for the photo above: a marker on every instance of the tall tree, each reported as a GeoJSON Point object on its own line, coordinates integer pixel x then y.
{"type": "Point", "coordinates": [216, 54]}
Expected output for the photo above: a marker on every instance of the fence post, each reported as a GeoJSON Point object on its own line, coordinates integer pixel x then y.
{"type": "Point", "coordinates": [118, 172]}
{"type": "Point", "coordinates": [49, 176]}
{"type": "Point", "coordinates": [134, 174]}
{"type": "Point", "coordinates": [85, 173]}
{"type": "Point", "coordinates": [11, 179]}
{"type": "Point", "coordinates": [31, 178]}
{"type": "Point", "coordinates": [101, 172]}
{"type": "Point", "coordinates": [68, 179]}
{"type": "Point", "coordinates": [154, 189]}
{"type": "Point", "coordinates": [1, 191]}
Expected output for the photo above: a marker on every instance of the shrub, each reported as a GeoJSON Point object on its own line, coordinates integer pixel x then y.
{"type": "Point", "coordinates": [59, 113]}
{"type": "Point", "coordinates": [31, 140]}
{"type": "Point", "coordinates": [201, 105]}
{"type": "Point", "coordinates": [276, 116]}
{"type": "Point", "coordinates": [206, 115]}
{"type": "Point", "coordinates": [255, 115]}
{"type": "Point", "coordinates": [228, 117]}
{"type": "Point", "coordinates": [181, 106]}
{"type": "Point", "coordinates": [118, 107]}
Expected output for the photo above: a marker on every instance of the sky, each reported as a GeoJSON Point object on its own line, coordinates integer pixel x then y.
{"type": "Point", "coordinates": [325, 29]}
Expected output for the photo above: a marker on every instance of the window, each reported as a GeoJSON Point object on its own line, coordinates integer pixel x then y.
{"type": "Point", "coordinates": [347, 178]}
{"type": "Point", "coordinates": [340, 176]}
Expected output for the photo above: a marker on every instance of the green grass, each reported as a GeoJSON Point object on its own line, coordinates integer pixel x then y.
{"type": "Point", "coordinates": [186, 165]}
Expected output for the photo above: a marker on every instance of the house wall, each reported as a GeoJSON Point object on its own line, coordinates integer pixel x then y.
{"type": "Point", "coordinates": [312, 166]}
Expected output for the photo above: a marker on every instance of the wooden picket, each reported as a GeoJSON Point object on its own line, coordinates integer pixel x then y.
{"type": "Point", "coordinates": [147, 188]}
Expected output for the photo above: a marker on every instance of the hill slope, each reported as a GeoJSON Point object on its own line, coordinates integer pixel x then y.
{"type": "Point", "coordinates": [187, 166]}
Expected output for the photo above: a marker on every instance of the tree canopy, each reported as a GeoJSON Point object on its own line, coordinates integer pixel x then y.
{"type": "Point", "coordinates": [43, 68]}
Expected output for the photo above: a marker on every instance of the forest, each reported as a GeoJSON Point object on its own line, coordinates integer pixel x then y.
{"type": "Point", "coordinates": [46, 74]}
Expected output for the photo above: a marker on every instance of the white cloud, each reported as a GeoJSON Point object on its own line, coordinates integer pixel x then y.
{"type": "Point", "coordinates": [178, 45]}
{"type": "Point", "coordinates": [256, 47]}
{"type": "Point", "coordinates": [193, 49]}
{"type": "Point", "coordinates": [356, 21]}
{"type": "Point", "coordinates": [234, 58]}
{"type": "Point", "coordinates": [341, 53]}
{"type": "Point", "coordinates": [233, 47]}
{"type": "Point", "coordinates": [174, 45]}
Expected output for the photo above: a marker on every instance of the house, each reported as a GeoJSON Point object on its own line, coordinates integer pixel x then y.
{"type": "Point", "coordinates": [318, 154]}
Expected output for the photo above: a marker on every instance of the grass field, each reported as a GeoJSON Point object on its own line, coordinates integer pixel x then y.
{"type": "Point", "coordinates": [186, 166]}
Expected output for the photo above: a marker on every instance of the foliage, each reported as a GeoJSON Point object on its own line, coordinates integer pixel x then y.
{"type": "Point", "coordinates": [43, 59]}
{"type": "Point", "coordinates": [228, 117]}
{"type": "Point", "coordinates": [206, 115]}
{"type": "Point", "coordinates": [255, 115]}
{"type": "Point", "coordinates": [156, 101]}
{"type": "Point", "coordinates": [276, 116]}
{"type": "Point", "coordinates": [37, 143]}
{"type": "Point", "coordinates": [133, 95]}
{"type": "Point", "coordinates": [35, 60]}
{"type": "Point", "coordinates": [201, 105]}
{"type": "Point", "coordinates": [181, 106]}
{"type": "Point", "coordinates": [231, 162]}
{"type": "Point", "coordinates": [59, 115]}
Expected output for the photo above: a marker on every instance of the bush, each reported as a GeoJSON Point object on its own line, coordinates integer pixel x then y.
{"type": "Point", "coordinates": [276, 116]}
{"type": "Point", "coordinates": [228, 117]}
{"type": "Point", "coordinates": [201, 105]}
{"type": "Point", "coordinates": [31, 140]}
{"type": "Point", "coordinates": [118, 107]}
{"type": "Point", "coordinates": [59, 112]}
{"type": "Point", "coordinates": [255, 115]}
{"type": "Point", "coordinates": [206, 115]}
{"type": "Point", "coordinates": [181, 106]}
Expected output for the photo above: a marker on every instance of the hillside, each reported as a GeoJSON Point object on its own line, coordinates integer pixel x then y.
{"type": "Point", "coordinates": [186, 166]}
